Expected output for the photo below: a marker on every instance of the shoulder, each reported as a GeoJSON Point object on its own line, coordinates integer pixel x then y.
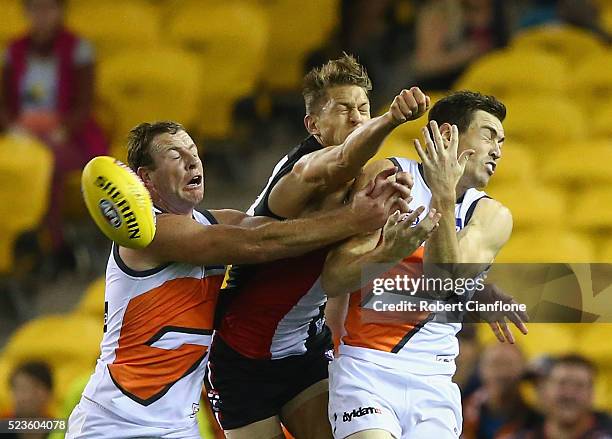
{"type": "Point", "coordinates": [494, 219]}
{"type": "Point", "coordinates": [492, 209]}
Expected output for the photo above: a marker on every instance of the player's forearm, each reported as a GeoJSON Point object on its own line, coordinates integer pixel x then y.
{"type": "Point", "coordinates": [443, 246]}
{"type": "Point", "coordinates": [362, 145]}
{"type": "Point", "coordinates": [343, 276]}
{"type": "Point", "coordinates": [294, 237]}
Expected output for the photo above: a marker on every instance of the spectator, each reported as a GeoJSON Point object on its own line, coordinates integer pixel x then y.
{"type": "Point", "coordinates": [450, 34]}
{"type": "Point", "coordinates": [585, 14]}
{"type": "Point", "coordinates": [567, 394]}
{"type": "Point", "coordinates": [32, 388]}
{"type": "Point", "coordinates": [497, 409]}
{"type": "Point", "coordinates": [48, 88]}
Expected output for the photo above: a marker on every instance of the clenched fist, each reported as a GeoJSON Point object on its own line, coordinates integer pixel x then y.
{"type": "Point", "coordinates": [408, 105]}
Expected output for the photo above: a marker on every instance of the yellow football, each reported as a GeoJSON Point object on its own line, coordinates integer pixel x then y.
{"type": "Point", "coordinates": [118, 202]}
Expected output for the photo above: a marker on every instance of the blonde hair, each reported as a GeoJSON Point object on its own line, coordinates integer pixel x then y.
{"type": "Point", "coordinates": [342, 71]}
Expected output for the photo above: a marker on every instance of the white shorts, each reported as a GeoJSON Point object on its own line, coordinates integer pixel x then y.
{"type": "Point", "coordinates": [90, 420]}
{"type": "Point", "coordinates": [365, 396]}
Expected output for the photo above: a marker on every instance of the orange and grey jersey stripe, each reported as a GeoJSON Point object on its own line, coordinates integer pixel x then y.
{"type": "Point", "coordinates": [413, 340]}
{"type": "Point", "coordinates": [158, 329]}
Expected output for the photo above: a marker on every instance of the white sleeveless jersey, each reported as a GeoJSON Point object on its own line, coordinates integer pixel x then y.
{"type": "Point", "coordinates": [422, 346]}
{"type": "Point", "coordinates": [158, 327]}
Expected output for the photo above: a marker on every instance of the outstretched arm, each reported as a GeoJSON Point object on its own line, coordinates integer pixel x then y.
{"type": "Point", "coordinates": [329, 168]}
{"type": "Point", "coordinates": [181, 239]}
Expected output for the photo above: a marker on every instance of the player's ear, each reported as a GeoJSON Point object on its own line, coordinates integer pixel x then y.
{"type": "Point", "coordinates": [445, 131]}
{"type": "Point", "coordinates": [311, 124]}
{"type": "Point", "coordinates": [145, 175]}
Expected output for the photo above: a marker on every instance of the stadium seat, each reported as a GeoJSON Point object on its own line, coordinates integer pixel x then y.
{"type": "Point", "coordinates": [602, 120]}
{"type": "Point", "coordinates": [544, 122]}
{"type": "Point", "coordinates": [592, 345]}
{"type": "Point", "coordinates": [142, 85]}
{"type": "Point", "coordinates": [297, 28]}
{"type": "Point", "coordinates": [554, 245]}
{"type": "Point", "coordinates": [593, 209]}
{"type": "Point", "coordinates": [532, 205]}
{"type": "Point", "coordinates": [567, 166]}
{"type": "Point", "coordinates": [571, 43]}
{"type": "Point", "coordinates": [13, 21]}
{"type": "Point", "coordinates": [230, 40]}
{"type": "Point", "coordinates": [592, 82]}
{"type": "Point", "coordinates": [538, 341]}
{"type": "Point", "coordinates": [19, 213]}
{"type": "Point", "coordinates": [605, 250]}
{"type": "Point", "coordinates": [603, 390]}
{"type": "Point", "coordinates": [395, 146]}
{"type": "Point", "coordinates": [516, 166]}
{"type": "Point", "coordinates": [69, 344]}
{"type": "Point", "coordinates": [92, 301]}
{"type": "Point", "coordinates": [508, 73]}
{"type": "Point", "coordinates": [113, 26]}
{"type": "Point", "coordinates": [606, 18]}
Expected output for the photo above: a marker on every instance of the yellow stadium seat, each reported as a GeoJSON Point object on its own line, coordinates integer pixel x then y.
{"type": "Point", "coordinates": [13, 21]}
{"type": "Point", "coordinates": [592, 343]}
{"type": "Point", "coordinates": [508, 73]}
{"type": "Point", "coordinates": [297, 28]}
{"type": "Point", "coordinates": [602, 121]}
{"type": "Point", "coordinates": [592, 82]}
{"type": "Point", "coordinates": [548, 338]}
{"type": "Point", "coordinates": [395, 146]}
{"type": "Point", "coordinates": [544, 121]}
{"type": "Point", "coordinates": [532, 205]}
{"type": "Point", "coordinates": [516, 166]}
{"type": "Point", "coordinates": [571, 43]}
{"type": "Point", "coordinates": [143, 85]}
{"type": "Point", "coordinates": [230, 40]}
{"type": "Point", "coordinates": [605, 250]}
{"type": "Point", "coordinates": [113, 26]}
{"type": "Point", "coordinates": [543, 339]}
{"type": "Point", "coordinates": [69, 344]}
{"type": "Point", "coordinates": [92, 302]}
{"type": "Point", "coordinates": [24, 163]}
{"type": "Point", "coordinates": [606, 19]}
{"type": "Point", "coordinates": [567, 166]}
{"type": "Point", "coordinates": [593, 209]}
{"type": "Point", "coordinates": [546, 245]}
{"type": "Point", "coordinates": [603, 390]}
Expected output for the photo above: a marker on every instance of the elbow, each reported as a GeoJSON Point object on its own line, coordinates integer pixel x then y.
{"type": "Point", "coordinates": [331, 286]}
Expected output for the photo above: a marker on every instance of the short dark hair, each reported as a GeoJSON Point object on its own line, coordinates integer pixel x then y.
{"type": "Point", "coordinates": [575, 360]}
{"type": "Point", "coordinates": [38, 370]}
{"type": "Point", "coordinates": [140, 138]}
{"type": "Point", "coordinates": [458, 108]}
{"type": "Point", "coordinates": [342, 71]}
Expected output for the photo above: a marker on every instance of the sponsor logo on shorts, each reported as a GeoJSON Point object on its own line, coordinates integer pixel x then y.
{"type": "Point", "coordinates": [215, 400]}
{"type": "Point", "coordinates": [358, 413]}
{"type": "Point", "coordinates": [109, 211]}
